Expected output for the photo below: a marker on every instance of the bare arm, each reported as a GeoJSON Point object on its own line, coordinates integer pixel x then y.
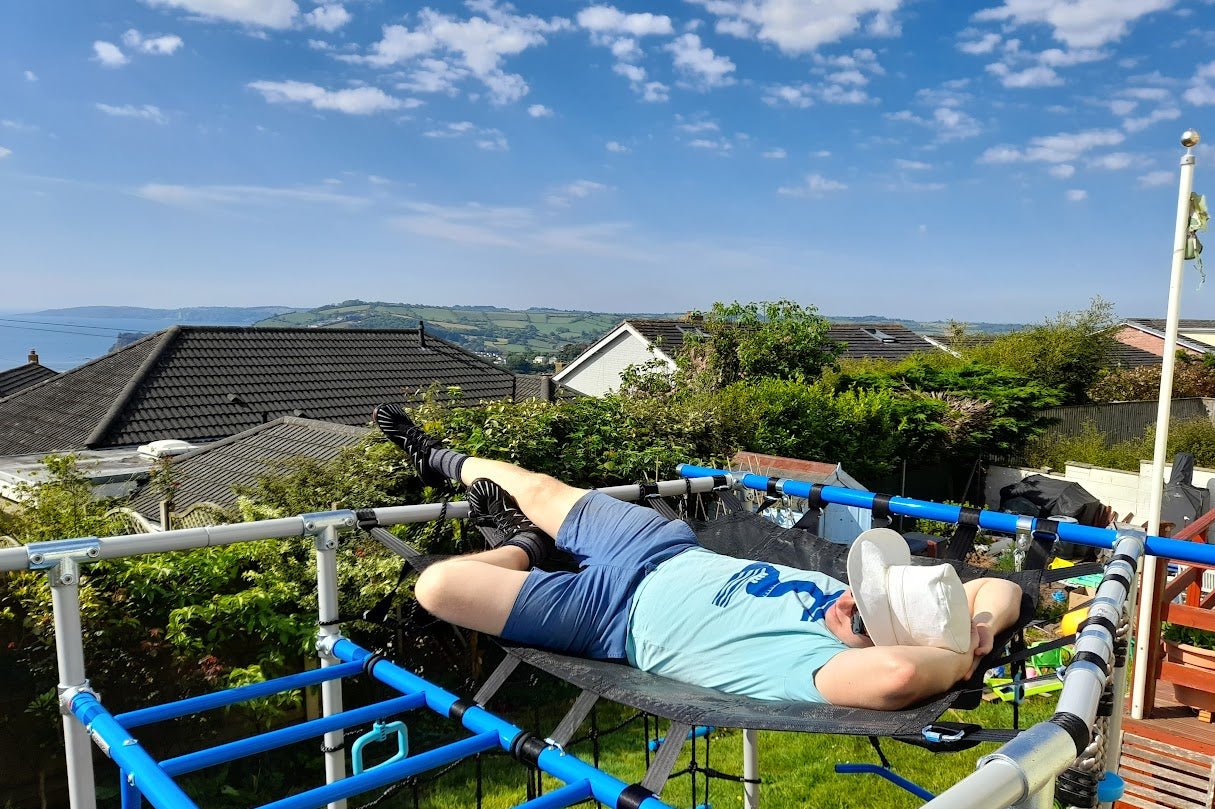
{"type": "Point", "coordinates": [887, 678]}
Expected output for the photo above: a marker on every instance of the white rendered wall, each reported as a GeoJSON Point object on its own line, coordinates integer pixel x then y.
{"type": "Point", "coordinates": [600, 374]}
{"type": "Point", "coordinates": [1124, 492]}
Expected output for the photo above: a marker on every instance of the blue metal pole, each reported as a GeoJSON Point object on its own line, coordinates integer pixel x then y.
{"type": "Point", "coordinates": [566, 796]}
{"type": "Point", "coordinates": [207, 702]}
{"type": "Point", "coordinates": [555, 762]}
{"type": "Point", "coordinates": [131, 799]}
{"type": "Point", "coordinates": [288, 735]}
{"type": "Point", "coordinates": [389, 773]}
{"type": "Point", "coordinates": [892, 777]}
{"type": "Point", "coordinates": [1192, 552]}
{"type": "Point", "coordinates": [130, 757]}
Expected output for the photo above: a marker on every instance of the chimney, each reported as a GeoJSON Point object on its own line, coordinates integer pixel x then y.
{"type": "Point", "coordinates": [422, 333]}
{"type": "Point", "coordinates": [694, 317]}
{"type": "Point", "coordinates": [546, 388]}
{"type": "Point", "coordinates": [33, 358]}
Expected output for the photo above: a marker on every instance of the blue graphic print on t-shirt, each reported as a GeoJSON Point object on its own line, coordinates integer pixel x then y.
{"type": "Point", "coordinates": [763, 581]}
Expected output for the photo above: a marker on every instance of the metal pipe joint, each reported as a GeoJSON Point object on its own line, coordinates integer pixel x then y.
{"type": "Point", "coordinates": [317, 522]}
{"type": "Point", "coordinates": [67, 693]}
{"type": "Point", "coordinates": [325, 644]}
{"type": "Point", "coordinates": [62, 558]}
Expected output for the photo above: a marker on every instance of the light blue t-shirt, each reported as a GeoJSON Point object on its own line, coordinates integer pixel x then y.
{"type": "Point", "coordinates": [739, 626]}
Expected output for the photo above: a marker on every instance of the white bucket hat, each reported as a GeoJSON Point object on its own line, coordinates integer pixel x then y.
{"type": "Point", "coordinates": [904, 604]}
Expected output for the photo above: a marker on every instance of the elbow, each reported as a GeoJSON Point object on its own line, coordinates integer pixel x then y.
{"type": "Point", "coordinates": [903, 684]}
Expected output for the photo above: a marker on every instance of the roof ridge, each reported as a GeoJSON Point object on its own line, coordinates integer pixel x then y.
{"type": "Point", "coordinates": [81, 366]}
{"type": "Point", "coordinates": [329, 426]}
{"type": "Point", "coordinates": [168, 337]}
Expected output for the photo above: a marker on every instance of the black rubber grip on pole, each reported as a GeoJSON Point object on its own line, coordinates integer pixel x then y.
{"type": "Point", "coordinates": [1118, 577]}
{"type": "Point", "coordinates": [968, 515]}
{"type": "Point", "coordinates": [1046, 530]}
{"type": "Point", "coordinates": [366, 519]}
{"type": "Point", "coordinates": [645, 490]}
{"type": "Point", "coordinates": [1075, 727]}
{"type": "Point", "coordinates": [1125, 557]}
{"type": "Point", "coordinates": [814, 498]}
{"type": "Point", "coordinates": [719, 481]}
{"type": "Point", "coordinates": [458, 709]}
{"type": "Point", "coordinates": [772, 490]}
{"type": "Point", "coordinates": [881, 506]}
{"type": "Point", "coordinates": [370, 661]}
{"type": "Point", "coordinates": [527, 748]}
{"type": "Point", "coordinates": [632, 796]}
{"type": "Point", "coordinates": [1098, 620]}
{"type": "Point", "coordinates": [1094, 658]}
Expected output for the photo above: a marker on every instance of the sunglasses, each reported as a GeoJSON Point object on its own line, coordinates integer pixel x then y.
{"type": "Point", "coordinates": [858, 623]}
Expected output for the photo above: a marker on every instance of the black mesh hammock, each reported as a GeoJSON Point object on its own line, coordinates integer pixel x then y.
{"type": "Point", "coordinates": [750, 536]}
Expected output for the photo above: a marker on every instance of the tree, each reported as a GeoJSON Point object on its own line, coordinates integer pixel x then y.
{"type": "Point", "coordinates": [752, 341]}
{"type": "Point", "coordinates": [1067, 352]}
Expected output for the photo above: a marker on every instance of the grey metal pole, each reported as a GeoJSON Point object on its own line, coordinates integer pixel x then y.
{"type": "Point", "coordinates": [331, 690]}
{"type": "Point", "coordinates": [69, 652]}
{"type": "Point", "coordinates": [1148, 577]}
{"type": "Point", "coordinates": [751, 769]}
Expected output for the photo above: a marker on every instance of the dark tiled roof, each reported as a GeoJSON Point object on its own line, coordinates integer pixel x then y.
{"type": "Point", "coordinates": [207, 474]}
{"type": "Point", "coordinates": [177, 384]}
{"type": "Point", "coordinates": [1125, 356]}
{"type": "Point", "coordinates": [1159, 324]}
{"type": "Point", "coordinates": [888, 341]}
{"type": "Point", "coordinates": [860, 339]}
{"type": "Point", "coordinates": [533, 386]}
{"type": "Point", "coordinates": [21, 377]}
{"type": "Point", "coordinates": [666, 334]}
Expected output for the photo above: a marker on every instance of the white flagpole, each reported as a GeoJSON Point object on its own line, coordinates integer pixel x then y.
{"type": "Point", "coordinates": [1189, 140]}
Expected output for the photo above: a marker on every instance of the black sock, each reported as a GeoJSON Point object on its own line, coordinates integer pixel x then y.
{"type": "Point", "coordinates": [447, 462]}
{"type": "Point", "coordinates": [536, 545]}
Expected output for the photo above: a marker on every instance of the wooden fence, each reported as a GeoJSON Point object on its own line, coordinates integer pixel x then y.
{"type": "Point", "coordinates": [1123, 421]}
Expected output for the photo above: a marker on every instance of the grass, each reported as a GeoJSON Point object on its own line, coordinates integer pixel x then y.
{"type": "Point", "coordinates": [796, 768]}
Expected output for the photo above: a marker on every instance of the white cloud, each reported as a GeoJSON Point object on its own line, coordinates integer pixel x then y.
{"type": "Point", "coordinates": [352, 101]}
{"type": "Point", "coordinates": [1155, 116]}
{"type": "Point", "coordinates": [694, 127]}
{"type": "Point", "coordinates": [1061, 148]}
{"type": "Point", "coordinates": [434, 76]}
{"type": "Point", "coordinates": [146, 112]}
{"type": "Point", "coordinates": [1053, 57]}
{"type": "Point", "coordinates": [795, 95]}
{"type": "Point", "coordinates": [1123, 106]}
{"type": "Point", "coordinates": [948, 122]}
{"type": "Point", "coordinates": [634, 73]}
{"type": "Point", "coordinates": [616, 147]}
{"type": "Point", "coordinates": [1076, 195]}
{"type": "Point", "coordinates": [610, 20]}
{"type": "Point", "coordinates": [1062, 171]}
{"type": "Point", "coordinates": [108, 54]}
{"type": "Point", "coordinates": [719, 145]}
{"type": "Point", "coordinates": [487, 139]}
{"type": "Point", "coordinates": [977, 47]}
{"type": "Point", "coordinates": [776, 153]}
{"type": "Point", "coordinates": [260, 13]}
{"type": "Point", "coordinates": [1201, 91]}
{"type": "Point", "coordinates": [329, 17]}
{"type": "Point", "coordinates": [798, 26]}
{"type": "Point", "coordinates": [232, 195]}
{"type": "Point", "coordinates": [5, 152]}
{"type": "Point", "coordinates": [163, 45]}
{"type": "Point", "coordinates": [698, 62]}
{"type": "Point", "coordinates": [1078, 23]}
{"type": "Point", "coordinates": [539, 111]}
{"type": "Point", "coordinates": [912, 165]}
{"type": "Point", "coordinates": [1114, 161]}
{"type": "Point", "coordinates": [1036, 76]}
{"type": "Point", "coordinates": [31, 75]}
{"type": "Point", "coordinates": [655, 92]}
{"type": "Point", "coordinates": [1154, 179]}
{"type": "Point", "coordinates": [816, 185]}
{"type": "Point", "coordinates": [579, 189]}
{"type": "Point", "coordinates": [734, 28]}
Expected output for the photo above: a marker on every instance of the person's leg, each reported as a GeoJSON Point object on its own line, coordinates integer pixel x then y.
{"type": "Point", "coordinates": [544, 500]}
{"type": "Point", "coordinates": [476, 591]}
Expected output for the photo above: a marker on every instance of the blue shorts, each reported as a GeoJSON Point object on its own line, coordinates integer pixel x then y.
{"type": "Point", "coordinates": [587, 613]}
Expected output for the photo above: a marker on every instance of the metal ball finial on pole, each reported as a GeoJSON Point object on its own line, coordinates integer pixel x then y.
{"type": "Point", "coordinates": [1147, 591]}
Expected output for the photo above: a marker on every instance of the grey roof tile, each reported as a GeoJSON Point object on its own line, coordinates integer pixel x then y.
{"type": "Point", "coordinates": [21, 377]}
{"type": "Point", "coordinates": [208, 474]}
{"type": "Point", "coordinates": [177, 384]}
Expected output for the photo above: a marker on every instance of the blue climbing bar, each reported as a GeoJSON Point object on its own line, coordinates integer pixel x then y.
{"type": "Point", "coordinates": [1192, 552]}
{"type": "Point", "coordinates": [605, 788]}
{"type": "Point", "coordinates": [232, 696]}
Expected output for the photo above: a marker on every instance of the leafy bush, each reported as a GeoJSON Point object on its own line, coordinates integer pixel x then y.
{"type": "Point", "coordinates": [1091, 446]}
{"type": "Point", "coordinates": [1190, 379]}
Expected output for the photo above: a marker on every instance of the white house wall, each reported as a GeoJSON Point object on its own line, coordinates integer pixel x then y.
{"type": "Point", "coordinates": [600, 374]}
{"type": "Point", "coordinates": [1125, 492]}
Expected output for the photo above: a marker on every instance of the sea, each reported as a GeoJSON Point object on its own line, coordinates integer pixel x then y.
{"type": "Point", "coordinates": [63, 342]}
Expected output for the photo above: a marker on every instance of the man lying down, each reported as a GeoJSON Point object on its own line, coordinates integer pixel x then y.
{"type": "Point", "coordinates": [646, 592]}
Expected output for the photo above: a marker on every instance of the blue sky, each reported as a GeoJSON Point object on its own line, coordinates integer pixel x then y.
{"type": "Point", "coordinates": [999, 161]}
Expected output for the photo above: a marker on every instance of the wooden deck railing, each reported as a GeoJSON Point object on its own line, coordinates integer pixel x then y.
{"type": "Point", "coordinates": [1197, 612]}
